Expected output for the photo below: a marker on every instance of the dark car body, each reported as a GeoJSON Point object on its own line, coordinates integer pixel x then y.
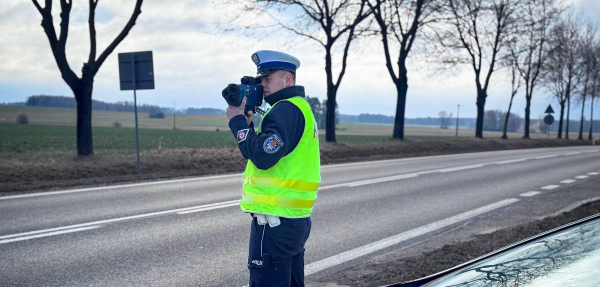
{"type": "Point", "coordinates": [565, 256]}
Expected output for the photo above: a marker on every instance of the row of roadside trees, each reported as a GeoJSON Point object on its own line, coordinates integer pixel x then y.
{"type": "Point", "coordinates": [537, 42]}
{"type": "Point", "coordinates": [533, 38]}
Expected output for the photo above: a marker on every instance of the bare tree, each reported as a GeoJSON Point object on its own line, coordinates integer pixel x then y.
{"type": "Point", "coordinates": [480, 28]}
{"type": "Point", "coordinates": [561, 65]}
{"type": "Point", "coordinates": [82, 87]}
{"type": "Point", "coordinates": [527, 47]}
{"type": "Point", "coordinates": [587, 67]}
{"type": "Point", "coordinates": [595, 82]}
{"type": "Point", "coordinates": [399, 22]}
{"type": "Point", "coordinates": [515, 85]}
{"type": "Point", "coordinates": [326, 22]}
{"type": "Point", "coordinates": [445, 119]}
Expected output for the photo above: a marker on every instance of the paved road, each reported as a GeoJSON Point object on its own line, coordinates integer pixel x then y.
{"type": "Point", "coordinates": [191, 233]}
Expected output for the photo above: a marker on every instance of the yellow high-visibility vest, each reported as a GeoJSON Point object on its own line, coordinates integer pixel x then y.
{"type": "Point", "coordinates": [289, 188]}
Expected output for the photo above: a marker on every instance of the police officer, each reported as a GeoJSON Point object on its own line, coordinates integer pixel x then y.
{"type": "Point", "coordinates": [282, 175]}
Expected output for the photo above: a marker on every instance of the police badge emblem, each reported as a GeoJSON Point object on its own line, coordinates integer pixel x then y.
{"type": "Point", "coordinates": [272, 144]}
{"type": "Point", "coordinates": [242, 135]}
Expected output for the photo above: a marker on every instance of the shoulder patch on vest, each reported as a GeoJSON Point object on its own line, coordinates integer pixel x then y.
{"type": "Point", "coordinates": [272, 144]}
{"type": "Point", "coordinates": [242, 135]}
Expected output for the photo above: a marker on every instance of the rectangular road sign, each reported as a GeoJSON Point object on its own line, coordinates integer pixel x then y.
{"type": "Point", "coordinates": [142, 71]}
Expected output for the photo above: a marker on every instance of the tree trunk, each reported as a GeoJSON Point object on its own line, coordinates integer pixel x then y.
{"type": "Point", "coordinates": [481, 96]}
{"type": "Point", "coordinates": [591, 118]}
{"type": "Point", "coordinates": [568, 116]}
{"type": "Point", "coordinates": [330, 115]}
{"type": "Point", "coordinates": [331, 95]}
{"type": "Point", "coordinates": [83, 97]}
{"type": "Point", "coordinates": [582, 118]}
{"type": "Point", "coordinates": [560, 122]}
{"type": "Point", "coordinates": [402, 90]}
{"type": "Point", "coordinates": [504, 136]}
{"type": "Point", "coordinates": [527, 116]}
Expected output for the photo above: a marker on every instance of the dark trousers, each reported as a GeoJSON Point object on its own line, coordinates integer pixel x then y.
{"type": "Point", "coordinates": [276, 254]}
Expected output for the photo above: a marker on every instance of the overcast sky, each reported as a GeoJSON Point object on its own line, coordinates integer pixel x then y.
{"type": "Point", "coordinates": [193, 62]}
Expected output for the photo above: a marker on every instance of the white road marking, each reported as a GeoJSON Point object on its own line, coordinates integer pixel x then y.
{"type": "Point", "coordinates": [401, 176]}
{"type": "Point", "coordinates": [550, 187]}
{"type": "Point", "coordinates": [573, 153]}
{"type": "Point", "coordinates": [461, 168]}
{"type": "Point", "coordinates": [592, 173]}
{"type": "Point", "coordinates": [215, 205]}
{"type": "Point", "coordinates": [117, 186]}
{"type": "Point", "coordinates": [512, 161]}
{"type": "Point", "coordinates": [387, 242]}
{"type": "Point", "coordinates": [546, 156]}
{"type": "Point", "coordinates": [332, 186]}
{"type": "Point", "coordinates": [568, 181]}
{"type": "Point", "coordinates": [581, 177]}
{"type": "Point", "coordinates": [239, 174]}
{"type": "Point", "coordinates": [48, 234]}
{"type": "Point", "coordinates": [378, 180]}
{"type": "Point", "coordinates": [530, 193]}
{"type": "Point", "coordinates": [209, 208]}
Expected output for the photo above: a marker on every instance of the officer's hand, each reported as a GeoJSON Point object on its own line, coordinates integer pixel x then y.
{"type": "Point", "coordinates": [234, 111]}
{"type": "Point", "coordinates": [249, 117]}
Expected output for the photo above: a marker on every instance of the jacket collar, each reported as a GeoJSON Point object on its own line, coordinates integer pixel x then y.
{"type": "Point", "coordinates": [284, 94]}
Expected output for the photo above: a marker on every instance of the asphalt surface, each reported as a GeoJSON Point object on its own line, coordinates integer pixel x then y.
{"type": "Point", "coordinates": [191, 232]}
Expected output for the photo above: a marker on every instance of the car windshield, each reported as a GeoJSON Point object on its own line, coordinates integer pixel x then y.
{"type": "Point", "coordinates": [568, 258]}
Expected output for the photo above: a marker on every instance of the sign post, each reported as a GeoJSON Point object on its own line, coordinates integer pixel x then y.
{"type": "Point", "coordinates": [136, 72]}
{"type": "Point", "coordinates": [549, 119]}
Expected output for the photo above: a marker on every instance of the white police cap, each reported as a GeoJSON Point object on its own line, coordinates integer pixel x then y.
{"type": "Point", "coordinates": [268, 62]}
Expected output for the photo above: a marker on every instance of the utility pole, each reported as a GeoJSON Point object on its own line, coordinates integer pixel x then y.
{"type": "Point", "coordinates": [174, 115]}
{"type": "Point", "coordinates": [457, 112]}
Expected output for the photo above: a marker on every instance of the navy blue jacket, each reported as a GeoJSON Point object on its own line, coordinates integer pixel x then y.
{"type": "Point", "coordinates": [281, 131]}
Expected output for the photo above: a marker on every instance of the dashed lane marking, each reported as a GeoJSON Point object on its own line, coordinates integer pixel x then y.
{"type": "Point", "coordinates": [573, 153]}
{"type": "Point", "coordinates": [461, 168]}
{"type": "Point", "coordinates": [512, 161]}
{"type": "Point", "coordinates": [550, 187]}
{"type": "Point", "coordinates": [546, 156]}
{"type": "Point", "coordinates": [592, 173]}
{"type": "Point", "coordinates": [530, 193]}
{"type": "Point", "coordinates": [581, 177]}
{"type": "Point", "coordinates": [392, 240]}
{"type": "Point", "coordinates": [568, 181]}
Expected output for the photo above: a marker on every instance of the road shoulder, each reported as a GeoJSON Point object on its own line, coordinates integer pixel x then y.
{"type": "Point", "coordinates": [458, 244]}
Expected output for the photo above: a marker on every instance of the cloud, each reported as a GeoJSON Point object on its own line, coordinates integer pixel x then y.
{"type": "Point", "coordinates": [193, 61]}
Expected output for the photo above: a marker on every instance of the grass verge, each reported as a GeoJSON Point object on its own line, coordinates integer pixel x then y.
{"type": "Point", "coordinates": [50, 169]}
{"type": "Point", "coordinates": [448, 256]}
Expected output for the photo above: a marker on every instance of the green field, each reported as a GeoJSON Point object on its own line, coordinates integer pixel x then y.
{"type": "Point", "coordinates": [54, 129]}
{"type": "Point", "coordinates": [32, 137]}
{"type": "Point", "coordinates": [68, 117]}
{"type": "Point", "coordinates": [15, 137]}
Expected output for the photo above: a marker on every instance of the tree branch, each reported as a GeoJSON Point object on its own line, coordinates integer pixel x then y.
{"type": "Point", "coordinates": [92, 25]}
{"type": "Point", "coordinates": [58, 45]}
{"type": "Point", "coordinates": [136, 12]}
{"type": "Point", "coordinates": [37, 5]}
{"type": "Point", "coordinates": [65, 13]}
{"type": "Point", "coordinates": [383, 30]}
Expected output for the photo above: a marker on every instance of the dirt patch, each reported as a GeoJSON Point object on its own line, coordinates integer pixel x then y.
{"type": "Point", "coordinates": [35, 171]}
{"type": "Point", "coordinates": [410, 268]}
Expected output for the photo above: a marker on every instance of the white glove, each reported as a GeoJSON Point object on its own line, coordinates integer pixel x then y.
{"type": "Point", "coordinates": [273, 220]}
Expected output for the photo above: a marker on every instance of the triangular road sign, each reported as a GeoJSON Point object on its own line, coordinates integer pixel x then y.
{"type": "Point", "coordinates": [549, 110]}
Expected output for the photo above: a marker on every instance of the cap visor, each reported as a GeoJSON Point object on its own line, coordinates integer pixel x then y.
{"type": "Point", "coordinates": [265, 73]}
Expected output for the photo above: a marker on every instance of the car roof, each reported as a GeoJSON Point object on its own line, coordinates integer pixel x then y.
{"type": "Point", "coordinates": [508, 248]}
